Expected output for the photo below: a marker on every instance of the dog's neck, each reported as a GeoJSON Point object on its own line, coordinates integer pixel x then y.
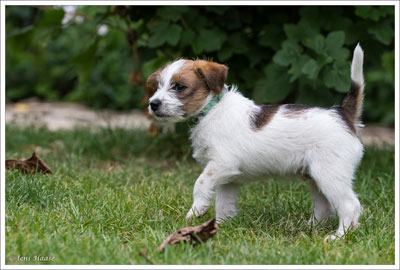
{"type": "Point", "coordinates": [214, 101]}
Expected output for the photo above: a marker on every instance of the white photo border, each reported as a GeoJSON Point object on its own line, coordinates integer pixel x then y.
{"type": "Point", "coordinates": [195, 3]}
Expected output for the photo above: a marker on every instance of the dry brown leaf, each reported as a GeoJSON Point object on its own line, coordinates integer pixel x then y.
{"type": "Point", "coordinates": [30, 165]}
{"type": "Point", "coordinates": [135, 79]}
{"type": "Point", "coordinates": [153, 130]}
{"type": "Point", "coordinates": [192, 234]}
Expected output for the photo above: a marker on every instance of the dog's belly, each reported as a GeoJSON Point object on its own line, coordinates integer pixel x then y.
{"type": "Point", "coordinates": [245, 177]}
{"type": "Point", "coordinates": [272, 165]}
{"type": "Point", "coordinates": [254, 165]}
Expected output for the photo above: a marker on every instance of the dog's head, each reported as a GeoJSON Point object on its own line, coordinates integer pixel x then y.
{"type": "Point", "coordinates": [182, 88]}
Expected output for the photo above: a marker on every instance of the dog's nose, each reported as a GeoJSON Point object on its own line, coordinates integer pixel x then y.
{"type": "Point", "coordinates": [155, 104]}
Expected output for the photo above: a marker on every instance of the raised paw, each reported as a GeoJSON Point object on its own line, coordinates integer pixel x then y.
{"type": "Point", "coordinates": [196, 211]}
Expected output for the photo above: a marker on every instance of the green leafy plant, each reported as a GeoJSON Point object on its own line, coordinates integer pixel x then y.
{"type": "Point", "coordinates": [276, 54]}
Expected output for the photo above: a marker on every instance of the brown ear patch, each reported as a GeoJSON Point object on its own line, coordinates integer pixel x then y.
{"type": "Point", "coordinates": [152, 84]}
{"type": "Point", "coordinates": [212, 73]}
{"type": "Point", "coordinates": [150, 87]}
{"type": "Point", "coordinates": [196, 92]}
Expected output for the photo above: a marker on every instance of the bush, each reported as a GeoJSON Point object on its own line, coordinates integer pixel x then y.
{"type": "Point", "coordinates": [276, 54]}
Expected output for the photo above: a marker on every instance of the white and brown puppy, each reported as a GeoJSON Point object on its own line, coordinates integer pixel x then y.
{"type": "Point", "coordinates": [237, 140]}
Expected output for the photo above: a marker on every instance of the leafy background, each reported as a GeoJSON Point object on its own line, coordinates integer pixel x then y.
{"type": "Point", "coordinates": [275, 54]}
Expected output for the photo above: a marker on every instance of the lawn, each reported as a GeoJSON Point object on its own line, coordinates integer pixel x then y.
{"type": "Point", "coordinates": [115, 192]}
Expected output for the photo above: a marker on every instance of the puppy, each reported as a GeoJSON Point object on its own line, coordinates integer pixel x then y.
{"type": "Point", "coordinates": [237, 140]}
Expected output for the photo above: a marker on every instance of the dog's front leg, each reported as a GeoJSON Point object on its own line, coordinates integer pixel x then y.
{"type": "Point", "coordinates": [204, 188]}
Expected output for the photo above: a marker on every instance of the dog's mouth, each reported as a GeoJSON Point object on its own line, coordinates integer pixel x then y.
{"type": "Point", "coordinates": [160, 115]}
{"type": "Point", "coordinates": [167, 117]}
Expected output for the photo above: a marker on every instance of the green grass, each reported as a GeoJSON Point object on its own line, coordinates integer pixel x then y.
{"type": "Point", "coordinates": [114, 193]}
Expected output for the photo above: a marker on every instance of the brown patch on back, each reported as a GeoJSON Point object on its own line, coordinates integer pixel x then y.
{"type": "Point", "coordinates": [262, 117]}
{"type": "Point", "coordinates": [295, 110]}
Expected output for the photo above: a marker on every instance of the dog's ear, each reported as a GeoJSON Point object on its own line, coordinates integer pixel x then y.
{"type": "Point", "coordinates": [152, 83]}
{"type": "Point", "coordinates": [212, 73]}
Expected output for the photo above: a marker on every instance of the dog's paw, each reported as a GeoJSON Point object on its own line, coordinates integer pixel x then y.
{"type": "Point", "coordinates": [190, 215]}
{"type": "Point", "coordinates": [220, 220]}
{"type": "Point", "coordinates": [333, 237]}
{"type": "Point", "coordinates": [196, 211]}
{"type": "Point", "coordinates": [222, 216]}
{"type": "Point", "coordinates": [314, 222]}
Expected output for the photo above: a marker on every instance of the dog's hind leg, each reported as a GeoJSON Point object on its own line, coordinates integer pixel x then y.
{"type": "Point", "coordinates": [336, 186]}
{"type": "Point", "coordinates": [225, 202]}
{"type": "Point", "coordinates": [322, 210]}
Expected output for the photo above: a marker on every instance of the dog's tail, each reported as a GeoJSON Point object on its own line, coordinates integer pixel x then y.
{"type": "Point", "coordinates": [353, 102]}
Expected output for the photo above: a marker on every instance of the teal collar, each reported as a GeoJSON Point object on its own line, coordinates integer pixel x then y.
{"type": "Point", "coordinates": [214, 101]}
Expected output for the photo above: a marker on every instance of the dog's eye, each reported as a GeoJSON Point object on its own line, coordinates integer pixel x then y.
{"type": "Point", "coordinates": [179, 87]}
